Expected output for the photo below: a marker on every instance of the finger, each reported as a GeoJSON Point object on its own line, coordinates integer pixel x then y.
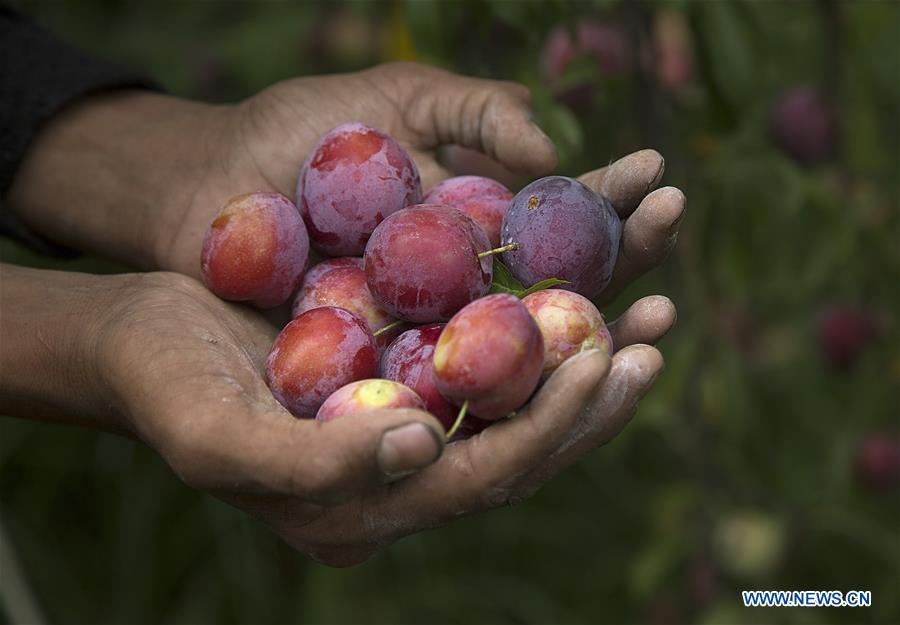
{"type": "Point", "coordinates": [646, 321]}
{"type": "Point", "coordinates": [493, 117]}
{"type": "Point", "coordinates": [273, 453]}
{"type": "Point", "coordinates": [647, 238]}
{"type": "Point", "coordinates": [430, 171]}
{"type": "Point", "coordinates": [634, 370]}
{"type": "Point", "coordinates": [628, 180]}
{"type": "Point", "coordinates": [477, 473]}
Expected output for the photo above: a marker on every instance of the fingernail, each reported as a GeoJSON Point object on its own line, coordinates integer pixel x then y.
{"type": "Point", "coordinates": [408, 448]}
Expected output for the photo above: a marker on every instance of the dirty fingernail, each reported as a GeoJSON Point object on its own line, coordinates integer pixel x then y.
{"type": "Point", "coordinates": [408, 448]}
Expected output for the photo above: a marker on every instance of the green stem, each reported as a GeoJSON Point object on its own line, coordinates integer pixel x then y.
{"type": "Point", "coordinates": [459, 419]}
{"type": "Point", "coordinates": [386, 328]}
{"type": "Point", "coordinates": [500, 250]}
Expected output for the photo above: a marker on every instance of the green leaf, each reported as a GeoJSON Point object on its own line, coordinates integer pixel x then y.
{"type": "Point", "coordinates": [505, 282]}
{"type": "Point", "coordinates": [543, 284]}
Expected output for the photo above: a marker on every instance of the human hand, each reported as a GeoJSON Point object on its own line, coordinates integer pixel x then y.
{"type": "Point", "coordinates": [332, 489]}
{"type": "Point", "coordinates": [159, 357]}
{"type": "Point", "coordinates": [169, 165]}
{"type": "Point", "coordinates": [267, 137]}
{"type": "Point", "coordinates": [346, 506]}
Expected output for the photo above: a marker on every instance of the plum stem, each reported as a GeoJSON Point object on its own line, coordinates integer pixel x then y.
{"type": "Point", "coordinates": [459, 420]}
{"type": "Point", "coordinates": [500, 250]}
{"type": "Point", "coordinates": [387, 328]}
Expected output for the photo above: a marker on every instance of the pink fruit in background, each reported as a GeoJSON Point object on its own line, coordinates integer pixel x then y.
{"type": "Point", "coordinates": [877, 461]}
{"type": "Point", "coordinates": [354, 178]}
{"type": "Point", "coordinates": [843, 332]}
{"type": "Point", "coordinates": [422, 263]}
{"type": "Point", "coordinates": [482, 199]}
{"type": "Point", "coordinates": [604, 43]}
{"type": "Point", "coordinates": [803, 124]}
{"type": "Point", "coordinates": [564, 230]}
{"type": "Point", "coordinates": [341, 282]}
{"type": "Point", "coordinates": [364, 395]}
{"type": "Point", "coordinates": [255, 250]}
{"type": "Point", "coordinates": [490, 353]}
{"type": "Point", "coordinates": [316, 354]}
{"type": "Point", "coordinates": [673, 51]}
{"type": "Point", "coordinates": [569, 324]}
{"type": "Point", "coordinates": [467, 162]}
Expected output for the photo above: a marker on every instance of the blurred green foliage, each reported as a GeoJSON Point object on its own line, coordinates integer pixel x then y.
{"type": "Point", "coordinates": [738, 471]}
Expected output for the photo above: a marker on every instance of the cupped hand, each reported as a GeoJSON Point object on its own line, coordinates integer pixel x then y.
{"type": "Point", "coordinates": [186, 371]}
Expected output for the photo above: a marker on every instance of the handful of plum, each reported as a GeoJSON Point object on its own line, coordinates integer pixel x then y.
{"type": "Point", "coordinates": [481, 334]}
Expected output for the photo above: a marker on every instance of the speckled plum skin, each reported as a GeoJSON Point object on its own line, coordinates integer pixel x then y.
{"type": "Point", "coordinates": [341, 282]}
{"type": "Point", "coordinates": [422, 263]}
{"type": "Point", "coordinates": [355, 177]}
{"type": "Point", "coordinates": [255, 250]}
{"type": "Point", "coordinates": [316, 354]}
{"type": "Point", "coordinates": [569, 324]}
{"type": "Point", "coordinates": [492, 354]}
{"type": "Point", "coordinates": [482, 199]}
{"type": "Point", "coordinates": [364, 395]}
{"type": "Point", "coordinates": [564, 230]}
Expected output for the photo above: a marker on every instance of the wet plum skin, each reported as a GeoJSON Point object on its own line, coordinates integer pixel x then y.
{"type": "Point", "coordinates": [492, 354]}
{"type": "Point", "coordinates": [341, 282]}
{"type": "Point", "coordinates": [564, 230]}
{"type": "Point", "coordinates": [316, 354]}
{"type": "Point", "coordinates": [422, 263]}
{"type": "Point", "coordinates": [364, 395]}
{"type": "Point", "coordinates": [354, 178]}
{"type": "Point", "coordinates": [482, 199]}
{"type": "Point", "coordinates": [255, 250]}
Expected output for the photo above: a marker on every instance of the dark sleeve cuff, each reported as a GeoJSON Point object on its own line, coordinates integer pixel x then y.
{"type": "Point", "coordinates": [39, 75]}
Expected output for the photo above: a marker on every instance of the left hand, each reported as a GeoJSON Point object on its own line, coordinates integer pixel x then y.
{"type": "Point", "coordinates": [143, 174]}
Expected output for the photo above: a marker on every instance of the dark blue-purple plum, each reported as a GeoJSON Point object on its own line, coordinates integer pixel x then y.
{"type": "Point", "coordinates": [803, 125]}
{"type": "Point", "coordinates": [564, 230]}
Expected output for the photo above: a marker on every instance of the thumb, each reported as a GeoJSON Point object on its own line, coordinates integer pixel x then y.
{"type": "Point", "coordinates": [273, 453]}
{"type": "Point", "coordinates": [491, 116]}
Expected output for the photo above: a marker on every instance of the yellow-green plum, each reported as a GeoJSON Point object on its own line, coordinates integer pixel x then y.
{"type": "Point", "coordinates": [364, 395]}
{"type": "Point", "coordinates": [569, 324]}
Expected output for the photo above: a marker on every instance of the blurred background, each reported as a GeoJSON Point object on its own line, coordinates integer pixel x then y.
{"type": "Point", "coordinates": [766, 457]}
